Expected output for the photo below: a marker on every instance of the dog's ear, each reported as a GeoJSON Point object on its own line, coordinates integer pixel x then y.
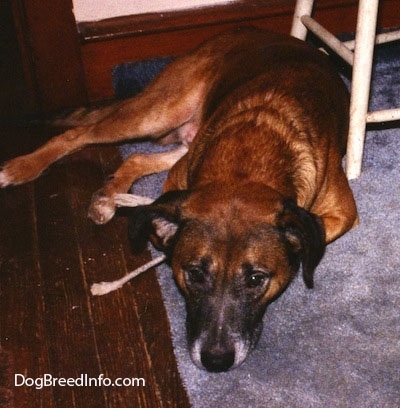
{"type": "Point", "coordinates": [306, 235]}
{"type": "Point", "coordinates": [157, 222]}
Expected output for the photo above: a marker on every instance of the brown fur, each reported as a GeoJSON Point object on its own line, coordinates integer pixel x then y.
{"type": "Point", "coordinates": [260, 189]}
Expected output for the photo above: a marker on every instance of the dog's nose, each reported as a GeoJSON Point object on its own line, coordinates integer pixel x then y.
{"type": "Point", "coordinates": [217, 361]}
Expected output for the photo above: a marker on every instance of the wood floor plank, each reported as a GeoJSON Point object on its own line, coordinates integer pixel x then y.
{"type": "Point", "coordinates": [21, 299]}
{"type": "Point", "coordinates": [153, 320]}
{"type": "Point", "coordinates": [21, 304]}
{"type": "Point", "coordinates": [120, 343]}
{"type": "Point", "coordinates": [67, 319]}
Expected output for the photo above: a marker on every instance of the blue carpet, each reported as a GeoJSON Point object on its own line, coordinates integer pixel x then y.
{"type": "Point", "coordinates": [337, 345]}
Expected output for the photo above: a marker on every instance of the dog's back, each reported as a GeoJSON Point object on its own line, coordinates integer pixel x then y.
{"type": "Point", "coordinates": [234, 59]}
{"type": "Point", "coordinates": [268, 96]}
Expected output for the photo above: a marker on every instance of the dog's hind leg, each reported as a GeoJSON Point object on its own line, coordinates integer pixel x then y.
{"type": "Point", "coordinates": [169, 103]}
{"type": "Point", "coordinates": [102, 207]}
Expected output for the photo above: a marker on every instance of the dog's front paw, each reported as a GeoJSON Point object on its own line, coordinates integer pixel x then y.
{"type": "Point", "coordinates": [102, 207]}
{"type": "Point", "coordinates": [18, 171]}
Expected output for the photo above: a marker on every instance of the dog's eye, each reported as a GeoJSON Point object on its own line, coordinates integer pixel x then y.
{"type": "Point", "coordinates": [196, 274]}
{"type": "Point", "coordinates": [256, 279]}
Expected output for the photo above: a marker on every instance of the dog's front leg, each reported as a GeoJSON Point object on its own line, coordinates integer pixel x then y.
{"type": "Point", "coordinates": [102, 207]}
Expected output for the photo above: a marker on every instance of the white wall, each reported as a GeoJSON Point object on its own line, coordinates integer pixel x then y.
{"type": "Point", "coordinates": [92, 10]}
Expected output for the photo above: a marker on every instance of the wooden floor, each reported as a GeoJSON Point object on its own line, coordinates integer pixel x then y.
{"type": "Point", "coordinates": [50, 253]}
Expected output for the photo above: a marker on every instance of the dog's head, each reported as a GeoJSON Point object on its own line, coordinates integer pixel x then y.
{"type": "Point", "coordinates": [232, 253]}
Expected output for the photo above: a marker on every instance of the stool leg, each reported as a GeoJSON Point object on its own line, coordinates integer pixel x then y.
{"type": "Point", "coordinates": [360, 86]}
{"type": "Point", "coordinates": [303, 7]}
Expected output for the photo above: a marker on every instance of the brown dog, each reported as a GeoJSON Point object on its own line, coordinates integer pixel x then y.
{"type": "Point", "coordinates": [260, 191]}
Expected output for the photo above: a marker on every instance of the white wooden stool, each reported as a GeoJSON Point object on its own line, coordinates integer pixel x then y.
{"type": "Point", "coordinates": [359, 54]}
